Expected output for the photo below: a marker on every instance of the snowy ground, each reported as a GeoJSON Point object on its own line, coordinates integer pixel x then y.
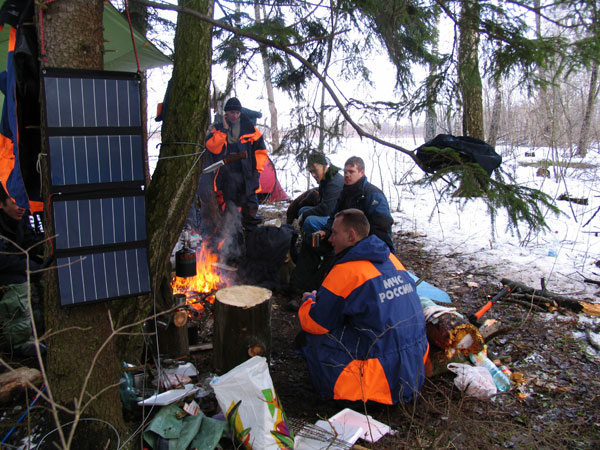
{"type": "Point", "coordinates": [449, 229]}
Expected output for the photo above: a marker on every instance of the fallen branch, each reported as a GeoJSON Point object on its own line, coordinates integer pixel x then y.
{"type": "Point", "coordinates": [527, 304]}
{"type": "Point", "coordinates": [589, 280]}
{"type": "Point", "coordinates": [565, 302]}
{"type": "Point", "coordinates": [579, 201]}
{"type": "Point", "coordinates": [15, 383]}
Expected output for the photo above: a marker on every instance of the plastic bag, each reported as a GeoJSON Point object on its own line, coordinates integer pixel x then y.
{"type": "Point", "coordinates": [476, 381]}
{"type": "Point", "coordinates": [247, 398]}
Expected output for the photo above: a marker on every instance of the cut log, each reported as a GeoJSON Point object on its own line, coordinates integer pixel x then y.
{"type": "Point", "coordinates": [242, 326]}
{"type": "Point", "coordinates": [454, 334]}
{"type": "Point", "coordinates": [15, 382]}
{"type": "Point", "coordinates": [438, 361]}
{"type": "Point", "coordinates": [173, 340]}
{"type": "Point", "coordinates": [492, 328]}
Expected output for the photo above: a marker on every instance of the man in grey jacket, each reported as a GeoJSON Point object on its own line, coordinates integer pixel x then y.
{"type": "Point", "coordinates": [331, 182]}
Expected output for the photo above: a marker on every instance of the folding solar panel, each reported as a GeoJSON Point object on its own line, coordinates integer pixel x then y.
{"type": "Point", "coordinates": [96, 170]}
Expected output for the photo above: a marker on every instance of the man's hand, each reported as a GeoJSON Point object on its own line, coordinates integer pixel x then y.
{"type": "Point", "coordinates": [309, 294]}
{"type": "Point", "coordinates": [225, 123]}
{"type": "Point", "coordinates": [321, 232]}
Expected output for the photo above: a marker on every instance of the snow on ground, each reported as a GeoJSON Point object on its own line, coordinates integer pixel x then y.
{"type": "Point", "coordinates": [449, 228]}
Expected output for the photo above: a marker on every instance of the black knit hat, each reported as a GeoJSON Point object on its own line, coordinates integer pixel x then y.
{"type": "Point", "coordinates": [233, 104]}
{"type": "Point", "coordinates": [316, 158]}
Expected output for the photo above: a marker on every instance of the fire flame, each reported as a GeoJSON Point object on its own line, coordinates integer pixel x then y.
{"type": "Point", "coordinates": [207, 278]}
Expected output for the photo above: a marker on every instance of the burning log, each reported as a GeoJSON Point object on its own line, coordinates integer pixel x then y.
{"type": "Point", "coordinates": [242, 326]}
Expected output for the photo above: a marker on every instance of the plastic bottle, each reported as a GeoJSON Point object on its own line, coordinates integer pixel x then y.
{"type": "Point", "coordinates": [505, 370]}
{"type": "Point", "coordinates": [500, 379]}
{"type": "Point", "coordinates": [553, 245]}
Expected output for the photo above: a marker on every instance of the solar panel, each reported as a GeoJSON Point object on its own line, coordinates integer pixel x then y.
{"type": "Point", "coordinates": [80, 160]}
{"type": "Point", "coordinates": [102, 275]}
{"type": "Point", "coordinates": [96, 164]}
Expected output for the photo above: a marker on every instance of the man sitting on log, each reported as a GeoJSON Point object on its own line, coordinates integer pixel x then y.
{"type": "Point", "coordinates": [364, 328]}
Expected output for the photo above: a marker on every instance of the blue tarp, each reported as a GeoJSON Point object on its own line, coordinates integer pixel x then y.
{"type": "Point", "coordinates": [424, 289]}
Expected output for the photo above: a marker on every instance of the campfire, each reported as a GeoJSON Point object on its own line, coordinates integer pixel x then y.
{"type": "Point", "coordinates": [200, 289]}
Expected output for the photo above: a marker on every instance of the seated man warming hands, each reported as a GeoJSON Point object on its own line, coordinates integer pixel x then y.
{"type": "Point", "coordinates": [364, 327]}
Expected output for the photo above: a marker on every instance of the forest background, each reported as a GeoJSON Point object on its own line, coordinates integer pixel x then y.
{"type": "Point", "coordinates": [518, 73]}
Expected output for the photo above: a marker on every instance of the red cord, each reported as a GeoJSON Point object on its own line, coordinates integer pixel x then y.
{"type": "Point", "coordinates": [42, 28]}
{"type": "Point", "coordinates": [48, 218]}
{"type": "Point", "coordinates": [137, 61]}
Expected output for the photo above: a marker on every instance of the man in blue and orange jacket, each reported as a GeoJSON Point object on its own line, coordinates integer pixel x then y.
{"type": "Point", "coordinates": [237, 183]}
{"type": "Point", "coordinates": [364, 327]}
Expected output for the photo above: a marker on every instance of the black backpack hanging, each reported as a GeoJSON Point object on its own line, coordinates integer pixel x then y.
{"type": "Point", "coordinates": [469, 149]}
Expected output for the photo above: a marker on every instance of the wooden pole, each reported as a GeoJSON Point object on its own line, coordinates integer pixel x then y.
{"type": "Point", "coordinates": [242, 326]}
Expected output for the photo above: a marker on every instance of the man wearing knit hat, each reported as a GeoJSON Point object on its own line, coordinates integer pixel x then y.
{"type": "Point", "coordinates": [237, 183]}
{"type": "Point", "coordinates": [331, 182]}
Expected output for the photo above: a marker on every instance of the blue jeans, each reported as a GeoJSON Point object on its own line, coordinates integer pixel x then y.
{"type": "Point", "coordinates": [312, 224]}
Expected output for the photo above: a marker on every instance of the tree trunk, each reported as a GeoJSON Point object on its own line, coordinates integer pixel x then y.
{"type": "Point", "coordinates": [169, 196]}
{"type": "Point", "coordinates": [430, 112]}
{"type": "Point", "coordinates": [139, 20]}
{"type": "Point", "coordinates": [175, 180]}
{"type": "Point", "coordinates": [269, 84]}
{"type": "Point", "coordinates": [84, 329]}
{"type": "Point", "coordinates": [584, 135]}
{"type": "Point", "coordinates": [330, 39]}
{"type": "Point", "coordinates": [469, 77]}
{"type": "Point", "coordinates": [495, 119]}
{"type": "Point", "coordinates": [242, 327]}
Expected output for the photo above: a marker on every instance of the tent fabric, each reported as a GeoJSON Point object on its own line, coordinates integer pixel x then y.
{"type": "Point", "coordinates": [119, 54]}
{"type": "Point", "coordinates": [270, 188]}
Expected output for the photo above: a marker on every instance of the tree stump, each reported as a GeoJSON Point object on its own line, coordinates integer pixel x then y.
{"type": "Point", "coordinates": [242, 326]}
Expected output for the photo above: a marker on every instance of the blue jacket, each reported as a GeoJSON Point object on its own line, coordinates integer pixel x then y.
{"type": "Point", "coordinates": [370, 200]}
{"type": "Point", "coordinates": [366, 336]}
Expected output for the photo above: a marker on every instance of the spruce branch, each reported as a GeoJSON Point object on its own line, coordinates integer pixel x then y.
{"type": "Point", "coordinates": [467, 180]}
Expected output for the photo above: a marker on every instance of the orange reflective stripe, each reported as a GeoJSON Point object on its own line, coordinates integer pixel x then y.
{"type": "Point", "coordinates": [307, 322]}
{"type": "Point", "coordinates": [7, 158]}
{"type": "Point", "coordinates": [262, 158]}
{"type": "Point", "coordinates": [216, 142]}
{"type": "Point", "coordinates": [251, 137]}
{"type": "Point", "coordinates": [396, 262]}
{"type": "Point", "coordinates": [428, 363]}
{"type": "Point", "coordinates": [12, 40]}
{"type": "Point", "coordinates": [36, 207]}
{"type": "Point", "coordinates": [362, 381]}
{"type": "Point", "coordinates": [346, 277]}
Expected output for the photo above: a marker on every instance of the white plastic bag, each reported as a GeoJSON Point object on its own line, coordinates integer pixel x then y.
{"type": "Point", "coordinates": [476, 381]}
{"type": "Point", "coordinates": [247, 398]}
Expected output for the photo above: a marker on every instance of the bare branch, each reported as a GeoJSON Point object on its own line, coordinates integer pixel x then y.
{"type": "Point", "coordinates": [284, 48]}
